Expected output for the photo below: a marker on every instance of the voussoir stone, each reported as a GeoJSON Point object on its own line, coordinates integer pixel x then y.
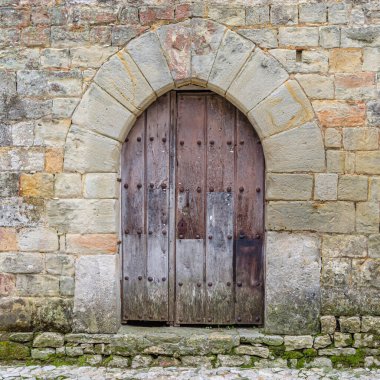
{"type": "Point", "coordinates": [231, 56]}
{"type": "Point", "coordinates": [261, 75]}
{"type": "Point", "coordinates": [147, 53]}
{"type": "Point", "coordinates": [122, 79]}
{"type": "Point", "coordinates": [100, 112]}
{"type": "Point", "coordinates": [285, 108]}
{"type": "Point", "coordinates": [48, 339]}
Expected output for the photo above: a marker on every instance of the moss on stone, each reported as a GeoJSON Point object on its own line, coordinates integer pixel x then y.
{"type": "Point", "coordinates": [292, 355]}
{"type": "Point", "coordinates": [310, 352]}
{"type": "Point", "coordinates": [352, 361]}
{"type": "Point", "coordinates": [13, 351]}
{"type": "Point", "coordinates": [277, 351]}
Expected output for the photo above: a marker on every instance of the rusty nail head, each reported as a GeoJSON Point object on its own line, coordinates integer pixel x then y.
{"type": "Point", "coordinates": [210, 237]}
{"type": "Point", "coordinates": [125, 186]}
{"type": "Point", "coordinates": [182, 142]}
{"type": "Point", "coordinates": [211, 189]}
{"type": "Point", "coordinates": [151, 138]}
{"type": "Point", "coordinates": [239, 284]}
{"type": "Point", "coordinates": [126, 278]}
{"type": "Point", "coordinates": [199, 189]}
{"type": "Point", "coordinates": [209, 284]}
{"type": "Point", "coordinates": [163, 279]}
{"type": "Point", "coordinates": [163, 232]}
{"type": "Point", "coordinates": [228, 283]}
{"type": "Point", "coordinates": [164, 139]}
{"type": "Point", "coordinates": [139, 277]}
{"type": "Point", "coordinates": [139, 138]}
{"type": "Point", "coordinates": [199, 142]}
{"type": "Point", "coordinates": [150, 279]}
{"type": "Point", "coordinates": [126, 231]}
{"type": "Point", "coordinates": [258, 189]}
{"type": "Point", "coordinates": [241, 189]}
{"type": "Point", "coordinates": [229, 189]}
{"type": "Point", "coordinates": [180, 284]}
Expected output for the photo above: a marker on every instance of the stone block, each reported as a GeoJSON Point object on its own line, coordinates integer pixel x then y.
{"type": "Point", "coordinates": [299, 149]}
{"type": "Point", "coordinates": [21, 263]}
{"type": "Point", "coordinates": [90, 152]}
{"type": "Point", "coordinates": [36, 185]}
{"type": "Point", "coordinates": [353, 188]}
{"type": "Point", "coordinates": [21, 159]}
{"type": "Point", "coordinates": [188, 361]}
{"type": "Point", "coordinates": [39, 239]}
{"type": "Point", "coordinates": [9, 184]}
{"type": "Point", "coordinates": [342, 340]}
{"type": "Point", "coordinates": [335, 161]}
{"type": "Point", "coordinates": [51, 133]}
{"type": "Point", "coordinates": [60, 264]}
{"type": "Point", "coordinates": [42, 353]}
{"type": "Point", "coordinates": [301, 253]}
{"type": "Point", "coordinates": [122, 34]}
{"type": "Point", "coordinates": [371, 59]}
{"type": "Point", "coordinates": [345, 60]}
{"type": "Point", "coordinates": [7, 284]}
{"type": "Point", "coordinates": [8, 239]}
{"type": "Point", "coordinates": [333, 138]}
{"type": "Point", "coordinates": [358, 86]}
{"type": "Point", "coordinates": [21, 337]}
{"type": "Point", "coordinates": [361, 138]}
{"type": "Point", "coordinates": [19, 58]}
{"type": "Point", "coordinates": [312, 13]}
{"type": "Point", "coordinates": [64, 107]}
{"type": "Point", "coordinates": [228, 15]}
{"type": "Point", "coordinates": [74, 351]}
{"type": "Point", "coordinates": [230, 58]}
{"type": "Point", "coordinates": [206, 40]}
{"type": "Point", "coordinates": [23, 134]}
{"type": "Point", "coordinates": [233, 360]}
{"type": "Point", "coordinates": [35, 36]}
{"type": "Point", "coordinates": [55, 58]}
{"type": "Point", "coordinates": [15, 314]}
{"type": "Point", "coordinates": [37, 285]}
{"type": "Point", "coordinates": [326, 186]}
{"type": "Point", "coordinates": [255, 337]}
{"type": "Point", "coordinates": [257, 79]}
{"type": "Point", "coordinates": [82, 215]}
{"type": "Point", "coordinates": [257, 15]}
{"type": "Point", "coordinates": [298, 342]}
{"type": "Point", "coordinates": [289, 186]}
{"type": "Point", "coordinates": [329, 37]}
{"type": "Point", "coordinates": [349, 325]}
{"type": "Point", "coordinates": [54, 160]}
{"type": "Point", "coordinates": [122, 79]}
{"type": "Point", "coordinates": [151, 14]}
{"type": "Point", "coordinates": [319, 363]}
{"type": "Point", "coordinates": [337, 351]}
{"type": "Point", "coordinates": [338, 13]}
{"type": "Point", "coordinates": [332, 113]}
{"type": "Point", "coordinates": [328, 324]}
{"type": "Point", "coordinates": [48, 339]}
{"type": "Point", "coordinates": [5, 134]}
{"type": "Point", "coordinates": [265, 38]}
{"type": "Point", "coordinates": [373, 113]}
{"type": "Point", "coordinates": [148, 56]}
{"type": "Point", "coordinates": [374, 246]}
{"type": "Point", "coordinates": [317, 86]}
{"type": "Point", "coordinates": [68, 185]}
{"type": "Point", "coordinates": [101, 113]}
{"type": "Point", "coordinates": [285, 108]}
{"type": "Point", "coordinates": [284, 14]}
{"type": "Point", "coordinates": [298, 36]}
{"type": "Point", "coordinates": [97, 294]}
{"type": "Point", "coordinates": [374, 188]}
{"type": "Point", "coordinates": [14, 351]}
{"type": "Point", "coordinates": [90, 56]}
{"type": "Point", "coordinates": [367, 217]}
{"type": "Point", "coordinates": [322, 341]}
{"type": "Point", "coordinates": [29, 108]}
{"type": "Point", "coordinates": [370, 324]}
{"type": "Point", "coordinates": [66, 286]}
{"type": "Point", "coordinates": [100, 185]}
{"type": "Point", "coordinates": [336, 217]}
{"type": "Point", "coordinates": [260, 351]}
{"type": "Point", "coordinates": [362, 36]}
{"type": "Point", "coordinates": [91, 243]}
{"type": "Point", "coordinates": [367, 340]}
{"type": "Point", "coordinates": [344, 246]}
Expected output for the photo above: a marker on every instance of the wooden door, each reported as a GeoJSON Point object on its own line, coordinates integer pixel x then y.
{"type": "Point", "coordinates": [192, 214]}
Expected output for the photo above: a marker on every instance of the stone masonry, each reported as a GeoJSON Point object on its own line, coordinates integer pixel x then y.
{"type": "Point", "coordinates": [74, 75]}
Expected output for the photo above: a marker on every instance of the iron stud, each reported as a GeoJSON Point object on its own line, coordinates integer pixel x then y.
{"type": "Point", "coordinates": [180, 284]}
{"type": "Point", "coordinates": [209, 284]}
{"type": "Point", "coordinates": [139, 277]}
{"type": "Point", "coordinates": [239, 284]}
{"type": "Point", "coordinates": [126, 231]}
{"type": "Point", "coordinates": [139, 185]}
{"type": "Point", "coordinates": [127, 139]}
{"type": "Point", "coordinates": [164, 139]}
{"type": "Point", "coordinates": [257, 319]}
{"type": "Point", "coordinates": [151, 138]}
{"type": "Point", "coordinates": [150, 279]}
{"type": "Point", "coordinates": [228, 283]}
{"type": "Point", "coordinates": [199, 142]}
{"type": "Point", "coordinates": [181, 142]}
{"type": "Point", "coordinates": [150, 232]}
{"type": "Point", "coordinates": [197, 236]}
{"type": "Point", "coordinates": [163, 186]}
{"type": "Point", "coordinates": [126, 278]}
{"type": "Point", "coordinates": [258, 236]}
{"type": "Point", "coordinates": [163, 279]}
{"type": "Point", "coordinates": [210, 237]}
{"type": "Point", "coordinates": [181, 189]}
{"type": "Point", "coordinates": [125, 186]}
{"type": "Point", "coordinates": [139, 231]}
{"type": "Point", "coordinates": [198, 319]}
{"type": "Point", "coordinates": [119, 242]}
{"type": "Point", "coordinates": [258, 189]}
{"type": "Point", "coordinates": [241, 189]}
{"type": "Point", "coordinates": [139, 139]}
{"type": "Point", "coordinates": [239, 319]}
{"type": "Point", "coordinates": [229, 237]}
{"type": "Point", "coordinates": [151, 185]}
{"type": "Point", "coordinates": [199, 284]}
{"type": "Point", "coordinates": [209, 319]}
{"type": "Point", "coordinates": [211, 189]}
{"type": "Point", "coordinates": [212, 142]}
{"type": "Point", "coordinates": [118, 179]}
{"type": "Point", "coordinates": [241, 142]}
{"type": "Point", "coordinates": [181, 236]}
{"type": "Point", "coordinates": [229, 142]}
{"type": "Point", "coordinates": [199, 189]}
{"type": "Point", "coordinates": [163, 232]}
{"type": "Point", "coordinates": [229, 189]}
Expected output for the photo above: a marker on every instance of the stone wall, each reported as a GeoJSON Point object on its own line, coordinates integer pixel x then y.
{"type": "Point", "coordinates": [306, 74]}
{"type": "Point", "coordinates": [346, 342]}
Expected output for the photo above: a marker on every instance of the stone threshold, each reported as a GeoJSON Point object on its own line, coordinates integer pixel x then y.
{"type": "Point", "coordinates": [136, 347]}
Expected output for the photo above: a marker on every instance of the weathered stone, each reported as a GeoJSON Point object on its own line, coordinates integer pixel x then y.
{"type": "Point", "coordinates": [51, 132]}
{"type": "Point", "coordinates": [42, 353]}
{"type": "Point", "coordinates": [338, 13]}
{"type": "Point", "coordinates": [18, 158]}
{"type": "Point", "coordinates": [54, 160]}
{"type": "Point", "coordinates": [13, 351]}
{"type": "Point", "coordinates": [231, 56]}
{"type": "Point", "coordinates": [7, 284]}
{"type": "Point", "coordinates": [19, 58]}
{"type": "Point", "coordinates": [283, 109]}
{"type": "Point", "coordinates": [59, 264]}
{"type": "Point", "coordinates": [335, 161]}
{"type": "Point", "coordinates": [21, 337]}
{"type": "Point", "coordinates": [336, 217]}
{"type": "Point", "coordinates": [328, 324]}
{"type": "Point", "coordinates": [90, 152]}
{"type": "Point", "coordinates": [289, 186]}
{"type": "Point", "coordinates": [370, 324]}
{"type": "Point", "coordinates": [119, 362]}
{"type": "Point", "coordinates": [195, 361]}
{"type": "Point", "coordinates": [329, 36]}
{"type": "Point", "coordinates": [326, 186]}
{"type": "Point", "coordinates": [64, 107]}
{"type": "Point", "coordinates": [68, 185]}
{"type": "Point", "coordinates": [91, 244]}
{"type": "Point", "coordinates": [366, 340]}
{"type": "Point", "coordinates": [5, 133]}
{"type": "Point", "coordinates": [374, 189]}
{"type": "Point", "coordinates": [66, 286]}
{"type": "Point", "coordinates": [298, 342]}
{"type": "Point", "coordinates": [15, 313]}
{"type": "Point", "coordinates": [21, 263]}
{"type": "Point", "coordinates": [261, 352]}
{"type": "Point", "coordinates": [233, 360]}
{"type": "Point", "coordinates": [55, 58]}
{"type": "Point", "coordinates": [298, 36]}
{"type": "Point", "coordinates": [228, 15]}
{"type": "Point", "coordinates": [284, 14]}
{"type": "Point", "coordinates": [36, 185]}
{"type": "Point", "coordinates": [23, 134]}
{"type": "Point", "coordinates": [299, 149]}
{"type": "Point", "coordinates": [344, 246]}
{"type": "Point", "coordinates": [374, 246]}
{"type": "Point", "coordinates": [358, 86]}
{"type": "Point", "coordinates": [319, 363]}
{"type": "Point", "coordinates": [360, 36]}
{"type": "Point", "coordinates": [74, 351]}
{"type": "Point", "coordinates": [322, 341]}
{"type": "Point", "coordinates": [265, 38]}
{"type": "Point", "coordinates": [82, 215]}
{"type": "Point", "coordinates": [8, 239]}
{"type": "Point", "coordinates": [254, 337]}
{"type": "Point", "coordinates": [312, 13]}
{"type": "Point", "coordinates": [317, 86]}
{"type": "Point", "coordinates": [37, 285]}
{"type": "Point", "coordinates": [102, 185]}
{"type": "Point", "coordinates": [144, 361]}
{"type": "Point", "coordinates": [368, 162]}
{"type": "Point", "coordinates": [302, 253]}
{"type": "Point", "coordinates": [353, 187]}
{"type": "Point", "coordinates": [367, 217]}
{"type": "Point", "coordinates": [38, 239]}
{"type": "Point", "coordinates": [371, 59]}
{"type": "Point", "coordinates": [148, 56]}
{"type": "Point", "coordinates": [97, 294]}
{"type": "Point", "coordinates": [360, 138]}
{"type": "Point", "coordinates": [9, 184]}
{"type": "Point", "coordinates": [257, 79]}
{"type": "Point", "coordinates": [89, 56]}
{"type": "Point", "coordinates": [337, 351]}
{"type": "Point", "coordinates": [48, 339]}
{"type": "Point", "coordinates": [345, 60]}
{"type": "Point", "coordinates": [257, 15]}
{"type": "Point", "coordinates": [342, 340]}
{"type": "Point", "coordinates": [336, 272]}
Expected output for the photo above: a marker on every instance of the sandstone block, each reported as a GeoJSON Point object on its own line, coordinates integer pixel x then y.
{"type": "Point", "coordinates": [284, 14]}
{"type": "Point", "coordinates": [29, 108]}
{"type": "Point", "coordinates": [317, 86]}
{"type": "Point", "coordinates": [55, 58]}
{"type": "Point", "coordinates": [54, 160]}
{"type": "Point", "coordinates": [374, 188]}
{"type": "Point", "coordinates": [299, 149]}
{"type": "Point", "coordinates": [333, 138]}
{"type": "Point", "coordinates": [322, 341]}
{"type": "Point", "coordinates": [257, 15]}
{"type": "Point", "coordinates": [349, 325]}
{"type": "Point", "coordinates": [353, 187]}
{"type": "Point", "coordinates": [258, 78]}
{"type": "Point", "coordinates": [301, 252]}
{"type": "Point", "coordinates": [335, 161]}
{"type": "Point", "coordinates": [97, 294]}
{"type": "Point", "coordinates": [228, 15]}
{"type": "Point", "coordinates": [83, 215]}
{"type": "Point", "coordinates": [265, 38]}
{"type": "Point", "coordinates": [303, 216]}
{"type": "Point", "coordinates": [66, 286]}
{"type": "Point", "coordinates": [51, 132]}
{"type": "Point", "coordinates": [23, 134]}
{"type": "Point", "coordinates": [338, 13]}
{"type": "Point", "coordinates": [64, 107]}
{"type": "Point", "coordinates": [374, 246]}
{"type": "Point", "coordinates": [361, 36]}
{"type": "Point", "coordinates": [19, 59]}
{"type": "Point", "coordinates": [261, 352]}
{"type": "Point", "coordinates": [359, 86]}
{"type": "Point", "coordinates": [22, 159]}
{"type": "Point", "coordinates": [344, 246]}
{"type": "Point", "coordinates": [231, 56]}
{"type": "Point", "coordinates": [328, 324]}
{"type": "Point", "coordinates": [60, 264]}
{"type": "Point", "coordinates": [329, 36]}
{"type": "Point", "coordinates": [312, 13]}
{"type": "Point", "coordinates": [371, 59]}
{"type": "Point", "coordinates": [100, 185]}
{"type": "Point", "coordinates": [326, 186]}
{"type": "Point", "coordinates": [360, 138]}
{"type": "Point", "coordinates": [370, 324]}
{"type": "Point", "coordinates": [123, 80]}
{"type": "Point", "coordinates": [299, 36]}
{"type": "Point", "coordinates": [21, 263]}
{"type": "Point", "coordinates": [150, 15]}
{"type": "Point", "coordinates": [9, 184]}
{"type": "Point", "coordinates": [90, 56]}
{"type": "Point", "coordinates": [68, 185]}
{"type": "Point", "coordinates": [90, 152]}
{"type": "Point", "coordinates": [148, 56]}
{"type": "Point", "coordinates": [345, 60]}
{"type": "Point", "coordinates": [367, 217]}
{"type": "Point", "coordinates": [122, 34]}
{"type": "Point", "coordinates": [91, 243]}
{"type": "Point", "coordinates": [100, 112]}
{"type": "Point", "coordinates": [38, 239]}
{"type": "Point", "coordinates": [289, 186]}
{"type": "Point", "coordinates": [8, 239]}
{"type": "Point", "coordinates": [7, 284]}
{"type": "Point", "coordinates": [298, 342]}
{"type": "Point", "coordinates": [285, 108]}
{"type": "Point", "coordinates": [37, 285]}
{"type": "Point", "coordinates": [373, 113]}
{"type": "Point", "coordinates": [48, 339]}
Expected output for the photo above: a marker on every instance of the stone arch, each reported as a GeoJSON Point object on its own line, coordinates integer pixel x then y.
{"type": "Point", "coordinates": [207, 54]}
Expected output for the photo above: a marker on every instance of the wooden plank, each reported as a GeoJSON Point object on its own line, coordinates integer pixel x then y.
{"type": "Point", "coordinates": [249, 224]}
{"type": "Point", "coordinates": [219, 258]}
{"type": "Point", "coordinates": [189, 282]}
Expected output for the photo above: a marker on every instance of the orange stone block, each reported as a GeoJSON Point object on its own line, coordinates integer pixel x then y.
{"type": "Point", "coordinates": [339, 113]}
{"type": "Point", "coordinates": [8, 239]}
{"type": "Point", "coordinates": [36, 185]}
{"type": "Point", "coordinates": [91, 243]}
{"type": "Point", "coordinates": [355, 80]}
{"type": "Point", "coordinates": [7, 284]}
{"type": "Point", "coordinates": [54, 160]}
{"type": "Point", "coordinates": [345, 60]}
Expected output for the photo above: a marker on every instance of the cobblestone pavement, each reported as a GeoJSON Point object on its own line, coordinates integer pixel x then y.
{"type": "Point", "coordinates": [92, 373]}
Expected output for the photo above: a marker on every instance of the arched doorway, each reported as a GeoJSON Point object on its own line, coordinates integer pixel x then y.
{"type": "Point", "coordinates": [192, 204]}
